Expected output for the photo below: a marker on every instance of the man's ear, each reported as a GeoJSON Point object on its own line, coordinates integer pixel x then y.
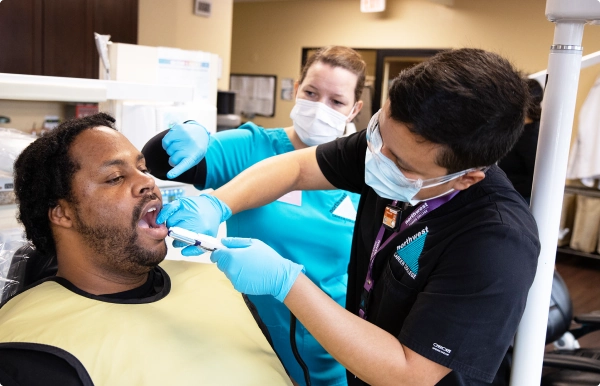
{"type": "Point", "coordinates": [61, 215]}
{"type": "Point", "coordinates": [296, 86]}
{"type": "Point", "coordinates": [469, 179]}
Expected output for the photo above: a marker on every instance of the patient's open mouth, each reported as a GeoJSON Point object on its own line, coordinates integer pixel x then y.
{"type": "Point", "coordinates": [148, 221]}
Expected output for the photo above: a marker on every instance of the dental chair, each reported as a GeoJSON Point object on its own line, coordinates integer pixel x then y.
{"type": "Point", "coordinates": [569, 364]}
{"type": "Point", "coordinates": [27, 266]}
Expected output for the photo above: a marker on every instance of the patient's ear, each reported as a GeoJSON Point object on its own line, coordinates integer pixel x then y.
{"type": "Point", "coordinates": [61, 215]}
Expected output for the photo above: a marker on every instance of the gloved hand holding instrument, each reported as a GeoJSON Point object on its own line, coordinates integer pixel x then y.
{"type": "Point", "coordinates": [200, 214]}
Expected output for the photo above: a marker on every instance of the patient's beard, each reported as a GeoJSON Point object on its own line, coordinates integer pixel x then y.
{"type": "Point", "coordinates": [118, 246]}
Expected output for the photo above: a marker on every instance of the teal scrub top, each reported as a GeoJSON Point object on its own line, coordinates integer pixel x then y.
{"type": "Point", "coordinates": [312, 228]}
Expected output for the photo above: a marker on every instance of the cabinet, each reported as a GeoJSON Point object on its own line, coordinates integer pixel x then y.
{"type": "Point", "coordinates": [56, 38]}
{"type": "Point", "coordinates": [591, 224]}
{"type": "Point", "coordinates": [21, 42]}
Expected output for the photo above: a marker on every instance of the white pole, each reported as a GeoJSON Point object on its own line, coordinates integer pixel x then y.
{"type": "Point", "coordinates": [549, 177]}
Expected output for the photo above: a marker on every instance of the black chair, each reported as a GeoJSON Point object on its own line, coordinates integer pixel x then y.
{"type": "Point", "coordinates": [569, 364]}
{"type": "Point", "coordinates": [27, 266]}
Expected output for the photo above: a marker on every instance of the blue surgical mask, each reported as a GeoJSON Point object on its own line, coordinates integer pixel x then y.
{"type": "Point", "coordinates": [387, 180]}
{"type": "Point", "coordinates": [386, 187]}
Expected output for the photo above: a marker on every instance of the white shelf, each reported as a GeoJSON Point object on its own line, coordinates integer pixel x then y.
{"type": "Point", "coordinates": [59, 89]}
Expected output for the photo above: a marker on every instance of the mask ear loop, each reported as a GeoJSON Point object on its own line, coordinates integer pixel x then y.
{"type": "Point", "coordinates": [454, 176]}
{"type": "Point", "coordinates": [371, 127]}
{"type": "Point", "coordinates": [447, 178]}
{"type": "Point", "coordinates": [351, 112]}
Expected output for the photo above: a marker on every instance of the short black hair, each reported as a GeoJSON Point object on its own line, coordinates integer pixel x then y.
{"type": "Point", "coordinates": [469, 100]}
{"type": "Point", "coordinates": [43, 174]}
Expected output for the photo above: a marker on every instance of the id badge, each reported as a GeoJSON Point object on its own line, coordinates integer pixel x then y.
{"type": "Point", "coordinates": [391, 216]}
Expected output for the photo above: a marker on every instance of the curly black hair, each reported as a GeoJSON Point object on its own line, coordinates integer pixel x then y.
{"type": "Point", "coordinates": [43, 173]}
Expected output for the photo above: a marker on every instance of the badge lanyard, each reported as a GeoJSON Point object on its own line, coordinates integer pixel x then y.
{"type": "Point", "coordinates": [389, 219]}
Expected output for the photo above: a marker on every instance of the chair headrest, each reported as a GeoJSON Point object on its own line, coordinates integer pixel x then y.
{"type": "Point", "coordinates": [28, 265]}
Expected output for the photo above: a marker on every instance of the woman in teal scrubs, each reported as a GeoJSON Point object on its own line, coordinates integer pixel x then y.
{"type": "Point", "coordinates": [302, 226]}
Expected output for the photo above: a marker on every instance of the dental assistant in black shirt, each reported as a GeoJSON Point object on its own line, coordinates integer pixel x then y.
{"type": "Point", "coordinates": [444, 250]}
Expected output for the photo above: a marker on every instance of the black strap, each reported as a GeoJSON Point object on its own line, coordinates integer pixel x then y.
{"type": "Point", "coordinates": [295, 349]}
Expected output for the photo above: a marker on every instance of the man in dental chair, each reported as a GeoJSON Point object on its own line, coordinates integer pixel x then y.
{"type": "Point", "coordinates": [115, 313]}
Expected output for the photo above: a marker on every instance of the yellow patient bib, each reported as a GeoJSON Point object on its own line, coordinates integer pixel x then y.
{"type": "Point", "coordinates": [201, 333]}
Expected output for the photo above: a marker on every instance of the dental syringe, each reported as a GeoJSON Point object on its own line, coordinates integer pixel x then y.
{"type": "Point", "coordinates": [208, 243]}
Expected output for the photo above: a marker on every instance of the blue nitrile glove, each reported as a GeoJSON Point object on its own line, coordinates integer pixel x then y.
{"type": "Point", "coordinates": [200, 214]}
{"type": "Point", "coordinates": [186, 145]}
{"type": "Point", "coordinates": [254, 268]}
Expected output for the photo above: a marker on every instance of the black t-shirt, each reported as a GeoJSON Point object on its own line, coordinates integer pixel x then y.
{"type": "Point", "coordinates": [35, 364]}
{"type": "Point", "coordinates": [453, 286]}
{"type": "Point", "coordinates": [519, 163]}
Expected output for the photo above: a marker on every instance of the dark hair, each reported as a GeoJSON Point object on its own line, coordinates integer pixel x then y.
{"type": "Point", "coordinates": [536, 95]}
{"type": "Point", "coordinates": [43, 173]}
{"type": "Point", "coordinates": [339, 56]}
{"type": "Point", "coordinates": [468, 100]}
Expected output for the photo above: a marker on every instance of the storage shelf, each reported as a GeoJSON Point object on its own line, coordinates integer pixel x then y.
{"type": "Point", "coordinates": [582, 191]}
{"type": "Point", "coordinates": [574, 252]}
{"type": "Point", "coordinates": [590, 192]}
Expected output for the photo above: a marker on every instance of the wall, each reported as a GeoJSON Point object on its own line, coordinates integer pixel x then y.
{"type": "Point", "coordinates": [173, 24]}
{"type": "Point", "coordinates": [268, 37]}
{"type": "Point", "coordinates": [29, 115]}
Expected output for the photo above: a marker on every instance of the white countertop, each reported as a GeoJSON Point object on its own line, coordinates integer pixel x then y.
{"type": "Point", "coordinates": [63, 89]}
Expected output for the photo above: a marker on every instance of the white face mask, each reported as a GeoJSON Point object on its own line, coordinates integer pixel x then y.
{"type": "Point", "coordinates": [316, 123]}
